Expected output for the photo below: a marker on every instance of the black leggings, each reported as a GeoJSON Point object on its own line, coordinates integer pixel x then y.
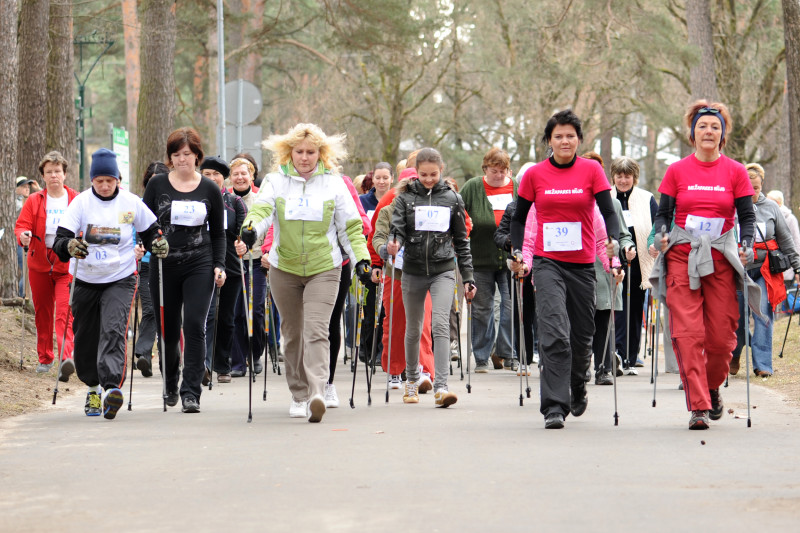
{"type": "Point", "coordinates": [188, 286]}
{"type": "Point", "coordinates": [335, 326]}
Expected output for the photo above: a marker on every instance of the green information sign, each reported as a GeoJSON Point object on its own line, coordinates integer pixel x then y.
{"type": "Point", "coordinates": [121, 148]}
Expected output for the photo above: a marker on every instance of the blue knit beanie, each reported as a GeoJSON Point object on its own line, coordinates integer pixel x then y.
{"type": "Point", "coordinates": [104, 163]}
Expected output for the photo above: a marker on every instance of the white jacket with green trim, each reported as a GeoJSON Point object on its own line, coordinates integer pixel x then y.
{"type": "Point", "coordinates": [307, 243]}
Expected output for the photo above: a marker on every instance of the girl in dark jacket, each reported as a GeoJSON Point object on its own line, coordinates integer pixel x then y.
{"type": "Point", "coordinates": [428, 224]}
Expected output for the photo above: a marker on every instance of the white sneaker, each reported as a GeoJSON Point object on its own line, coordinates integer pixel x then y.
{"type": "Point", "coordinates": [316, 408]}
{"type": "Point", "coordinates": [424, 384]}
{"type": "Point", "coordinates": [454, 351]}
{"type": "Point", "coordinates": [396, 382]}
{"type": "Point", "coordinates": [630, 371]}
{"type": "Point", "coordinates": [331, 398]}
{"type": "Point", "coordinates": [298, 409]}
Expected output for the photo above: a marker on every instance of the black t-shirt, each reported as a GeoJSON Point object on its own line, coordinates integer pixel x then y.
{"type": "Point", "coordinates": [192, 221]}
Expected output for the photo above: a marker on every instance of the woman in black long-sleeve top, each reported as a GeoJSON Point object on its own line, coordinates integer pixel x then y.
{"type": "Point", "coordinates": [190, 211]}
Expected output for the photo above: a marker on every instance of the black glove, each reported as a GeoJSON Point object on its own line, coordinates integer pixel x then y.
{"type": "Point", "coordinates": [249, 236]}
{"type": "Point", "coordinates": [363, 271]}
{"type": "Point", "coordinates": [78, 248]}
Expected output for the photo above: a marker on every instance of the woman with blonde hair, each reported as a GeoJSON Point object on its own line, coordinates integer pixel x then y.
{"type": "Point", "coordinates": [315, 219]}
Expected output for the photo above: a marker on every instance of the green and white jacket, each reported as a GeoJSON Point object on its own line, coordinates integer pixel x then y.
{"type": "Point", "coordinates": [314, 217]}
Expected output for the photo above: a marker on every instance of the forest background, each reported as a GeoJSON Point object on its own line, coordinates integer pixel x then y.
{"type": "Point", "coordinates": [396, 75]}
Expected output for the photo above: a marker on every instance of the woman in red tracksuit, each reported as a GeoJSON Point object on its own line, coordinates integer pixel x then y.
{"type": "Point", "coordinates": [703, 267]}
{"type": "Point", "coordinates": [49, 277]}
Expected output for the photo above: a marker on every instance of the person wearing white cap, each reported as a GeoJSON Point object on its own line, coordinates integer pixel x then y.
{"type": "Point", "coordinates": [97, 230]}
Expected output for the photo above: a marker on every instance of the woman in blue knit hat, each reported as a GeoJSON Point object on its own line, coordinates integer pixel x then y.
{"type": "Point", "coordinates": [97, 231]}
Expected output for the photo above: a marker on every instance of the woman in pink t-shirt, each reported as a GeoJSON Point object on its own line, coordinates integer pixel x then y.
{"type": "Point", "coordinates": [564, 189]}
{"type": "Point", "coordinates": [704, 190]}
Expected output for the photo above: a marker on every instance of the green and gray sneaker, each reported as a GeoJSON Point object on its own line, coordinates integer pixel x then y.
{"type": "Point", "coordinates": [92, 407]}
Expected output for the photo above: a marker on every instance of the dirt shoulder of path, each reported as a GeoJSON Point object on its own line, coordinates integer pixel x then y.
{"type": "Point", "coordinates": [23, 391]}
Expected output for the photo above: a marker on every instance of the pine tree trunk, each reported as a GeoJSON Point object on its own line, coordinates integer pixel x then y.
{"type": "Point", "coordinates": [156, 113]}
{"type": "Point", "coordinates": [702, 75]}
{"type": "Point", "coordinates": [130, 32]}
{"type": "Point", "coordinates": [8, 145]}
{"type": "Point", "coordinates": [60, 94]}
{"type": "Point", "coordinates": [32, 86]}
{"type": "Point", "coordinates": [791, 31]}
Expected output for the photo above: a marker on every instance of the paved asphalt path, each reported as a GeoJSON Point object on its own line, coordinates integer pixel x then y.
{"type": "Point", "coordinates": [485, 464]}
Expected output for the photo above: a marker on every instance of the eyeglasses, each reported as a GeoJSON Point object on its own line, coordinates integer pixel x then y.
{"type": "Point", "coordinates": [708, 111]}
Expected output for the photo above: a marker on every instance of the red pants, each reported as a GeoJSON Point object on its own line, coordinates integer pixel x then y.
{"type": "Point", "coordinates": [399, 332]}
{"type": "Point", "coordinates": [702, 326]}
{"type": "Point", "coordinates": [50, 295]}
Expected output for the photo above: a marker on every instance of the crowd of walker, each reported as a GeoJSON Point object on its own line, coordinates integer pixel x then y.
{"type": "Point", "coordinates": [572, 261]}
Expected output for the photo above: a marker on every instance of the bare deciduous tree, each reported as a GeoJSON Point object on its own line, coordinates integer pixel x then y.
{"type": "Point", "coordinates": [34, 18]}
{"type": "Point", "coordinates": [60, 94]}
{"type": "Point", "coordinates": [155, 115]}
{"type": "Point", "coordinates": [8, 145]}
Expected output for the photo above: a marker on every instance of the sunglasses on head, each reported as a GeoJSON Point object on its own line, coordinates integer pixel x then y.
{"type": "Point", "coordinates": [708, 111]}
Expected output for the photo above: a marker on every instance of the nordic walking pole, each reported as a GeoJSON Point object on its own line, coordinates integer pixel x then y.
{"type": "Point", "coordinates": [391, 316]}
{"type": "Point", "coordinates": [611, 326]}
{"type": "Point", "coordinates": [523, 348]}
{"type": "Point", "coordinates": [788, 323]}
{"type": "Point", "coordinates": [647, 299]}
{"type": "Point", "coordinates": [519, 347]}
{"type": "Point", "coordinates": [662, 296]}
{"type": "Point", "coordinates": [469, 343]}
{"type": "Point", "coordinates": [746, 333]}
{"type": "Point", "coordinates": [248, 310]}
{"type": "Point", "coordinates": [161, 314]}
{"type": "Point", "coordinates": [66, 325]}
{"type": "Point", "coordinates": [357, 338]}
{"type": "Point", "coordinates": [217, 290]}
{"type": "Point", "coordinates": [627, 314]}
{"type": "Point", "coordinates": [373, 355]}
{"type": "Point", "coordinates": [275, 331]}
{"type": "Point", "coordinates": [135, 324]}
{"type": "Point", "coordinates": [25, 300]}
{"type": "Point", "coordinates": [458, 323]}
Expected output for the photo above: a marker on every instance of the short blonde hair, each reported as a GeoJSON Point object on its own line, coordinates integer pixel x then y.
{"type": "Point", "coordinates": [754, 169]}
{"type": "Point", "coordinates": [241, 161]}
{"type": "Point", "coordinates": [331, 148]}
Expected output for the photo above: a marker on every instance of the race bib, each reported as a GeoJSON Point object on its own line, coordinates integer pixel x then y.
{"type": "Point", "coordinates": [698, 226]}
{"type": "Point", "coordinates": [398, 259]}
{"type": "Point", "coordinates": [561, 236]}
{"type": "Point", "coordinates": [626, 214]}
{"type": "Point", "coordinates": [102, 259]}
{"type": "Point", "coordinates": [304, 208]}
{"type": "Point", "coordinates": [188, 213]}
{"type": "Point", "coordinates": [500, 201]}
{"type": "Point", "coordinates": [432, 218]}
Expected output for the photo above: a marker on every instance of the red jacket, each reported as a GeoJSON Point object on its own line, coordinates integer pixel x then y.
{"type": "Point", "coordinates": [34, 219]}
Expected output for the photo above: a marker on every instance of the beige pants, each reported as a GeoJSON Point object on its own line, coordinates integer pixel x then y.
{"type": "Point", "coordinates": [305, 304]}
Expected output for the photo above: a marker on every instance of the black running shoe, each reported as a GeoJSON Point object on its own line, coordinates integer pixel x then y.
{"type": "Point", "coordinates": [145, 365]}
{"type": "Point", "coordinates": [172, 398]}
{"type": "Point", "coordinates": [716, 405]}
{"type": "Point", "coordinates": [579, 401]}
{"type": "Point", "coordinates": [190, 405]}
{"type": "Point", "coordinates": [554, 421]}
{"type": "Point", "coordinates": [603, 378]}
